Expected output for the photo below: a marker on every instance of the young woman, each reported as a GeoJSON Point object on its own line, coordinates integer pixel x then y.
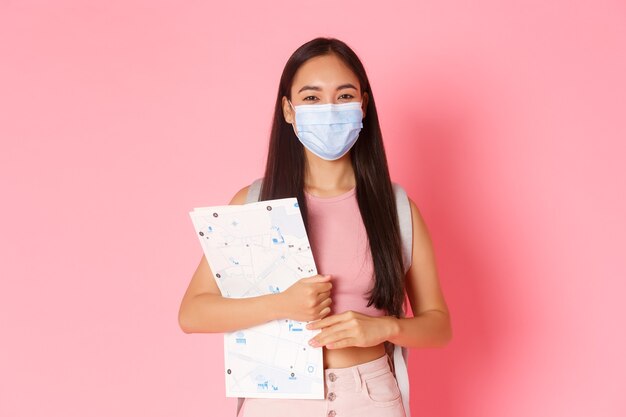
{"type": "Point", "coordinates": [326, 149]}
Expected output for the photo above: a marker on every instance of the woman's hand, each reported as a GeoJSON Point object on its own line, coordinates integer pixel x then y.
{"type": "Point", "coordinates": [352, 329]}
{"type": "Point", "coordinates": [306, 300]}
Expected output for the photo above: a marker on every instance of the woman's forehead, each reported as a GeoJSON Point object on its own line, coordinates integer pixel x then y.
{"type": "Point", "coordinates": [325, 71]}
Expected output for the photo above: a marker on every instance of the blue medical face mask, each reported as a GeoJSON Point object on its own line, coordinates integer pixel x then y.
{"type": "Point", "coordinates": [328, 130]}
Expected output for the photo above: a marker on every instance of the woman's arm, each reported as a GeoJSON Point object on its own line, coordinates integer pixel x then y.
{"type": "Point", "coordinates": [430, 325]}
{"type": "Point", "coordinates": [204, 310]}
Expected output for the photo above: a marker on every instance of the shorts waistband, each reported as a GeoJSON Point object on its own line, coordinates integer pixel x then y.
{"type": "Point", "coordinates": [350, 378]}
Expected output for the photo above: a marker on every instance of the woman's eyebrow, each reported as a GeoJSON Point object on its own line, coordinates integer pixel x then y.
{"type": "Point", "coordinates": [310, 87]}
{"type": "Point", "coordinates": [348, 85]}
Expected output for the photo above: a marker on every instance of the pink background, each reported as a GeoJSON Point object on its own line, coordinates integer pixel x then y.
{"type": "Point", "coordinates": [505, 121]}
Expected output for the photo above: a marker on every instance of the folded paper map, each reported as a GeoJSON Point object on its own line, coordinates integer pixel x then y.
{"type": "Point", "coordinates": [255, 249]}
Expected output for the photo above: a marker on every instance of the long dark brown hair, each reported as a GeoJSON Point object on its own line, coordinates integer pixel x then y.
{"type": "Point", "coordinates": [284, 174]}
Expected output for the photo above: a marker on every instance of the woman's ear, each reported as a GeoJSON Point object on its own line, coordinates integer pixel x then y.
{"type": "Point", "coordinates": [288, 113]}
{"type": "Point", "coordinates": [365, 100]}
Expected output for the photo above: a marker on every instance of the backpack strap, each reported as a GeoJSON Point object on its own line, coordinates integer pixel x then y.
{"type": "Point", "coordinates": [400, 354]}
{"type": "Point", "coordinates": [254, 191]}
{"type": "Point", "coordinates": [405, 222]}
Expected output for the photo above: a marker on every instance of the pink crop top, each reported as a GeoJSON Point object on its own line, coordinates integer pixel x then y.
{"type": "Point", "coordinates": [341, 249]}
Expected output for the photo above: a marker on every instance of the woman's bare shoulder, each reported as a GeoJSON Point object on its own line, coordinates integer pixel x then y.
{"type": "Point", "coordinates": [240, 196]}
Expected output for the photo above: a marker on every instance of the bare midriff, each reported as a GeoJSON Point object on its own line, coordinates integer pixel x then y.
{"type": "Point", "coordinates": [350, 356]}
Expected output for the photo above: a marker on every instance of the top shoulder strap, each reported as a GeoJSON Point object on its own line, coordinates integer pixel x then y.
{"type": "Point", "coordinates": [405, 221]}
{"type": "Point", "coordinates": [254, 191]}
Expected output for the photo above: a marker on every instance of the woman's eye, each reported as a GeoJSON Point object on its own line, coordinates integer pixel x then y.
{"type": "Point", "coordinates": [309, 98]}
{"type": "Point", "coordinates": [346, 97]}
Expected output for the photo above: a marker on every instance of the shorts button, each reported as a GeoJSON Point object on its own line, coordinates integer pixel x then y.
{"type": "Point", "coordinates": [332, 377]}
{"type": "Point", "coordinates": [332, 396]}
{"type": "Point", "coordinates": [331, 413]}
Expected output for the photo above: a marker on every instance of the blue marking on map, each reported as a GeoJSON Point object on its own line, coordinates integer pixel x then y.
{"type": "Point", "coordinates": [276, 232]}
{"type": "Point", "coordinates": [294, 328]}
{"type": "Point", "coordinates": [274, 290]}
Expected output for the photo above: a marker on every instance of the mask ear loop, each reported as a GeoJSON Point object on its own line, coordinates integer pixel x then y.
{"type": "Point", "coordinates": [293, 125]}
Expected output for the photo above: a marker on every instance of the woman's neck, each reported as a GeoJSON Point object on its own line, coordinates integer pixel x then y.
{"type": "Point", "coordinates": [327, 178]}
